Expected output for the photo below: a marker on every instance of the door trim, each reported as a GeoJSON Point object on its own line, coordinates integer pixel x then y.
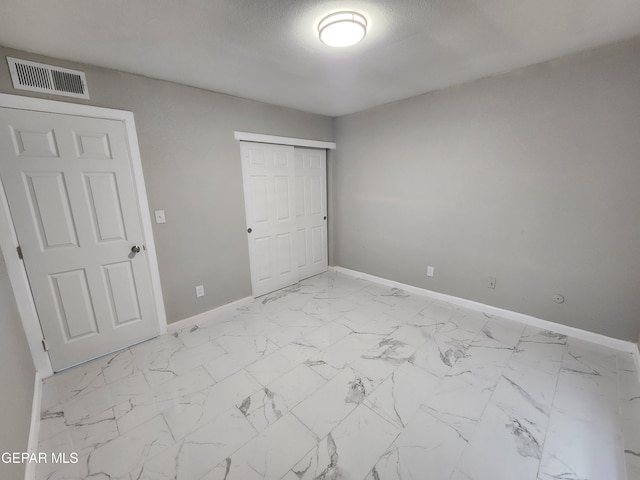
{"type": "Point", "coordinates": [9, 239]}
{"type": "Point", "coordinates": [294, 142]}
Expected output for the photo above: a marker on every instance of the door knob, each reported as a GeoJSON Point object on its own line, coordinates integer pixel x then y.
{"type": "Point", "coordinates": [249, 230]}
{"type": "Point", "coordinates": [135, 249]}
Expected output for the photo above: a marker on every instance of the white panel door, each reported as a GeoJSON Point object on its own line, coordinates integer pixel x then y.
{"type": "Point", "coordinates": [71, 195]}
{"type": "Point", "coordinates": [268, 174]}
{"type": "Point", "coordinates": [311, 211]}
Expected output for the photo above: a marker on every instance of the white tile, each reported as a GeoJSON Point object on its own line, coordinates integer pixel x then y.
{"type": "Point", "coordinates": [271, 367]}
{"type": "Point", "coordinates": [583, 357]}
{"type": "Point", "coordinates": [120, 365]}
{"type": "Point", "coordinates": [71, 384]}
{"type": "Point", "coordinates": [201, 450]}
{"type": "Point", "coordinates": [629, 394]}
{"type": "Point", "coordinates": [182, 361]}
{"type": "Point", "coordinates": [440, 352]}
{"type": "Point", "coordinates": [90, 405]}
{"type": "Point", "coordinates": [541, 352]}
{"type": "Point", "coordinates": [507, 442]}
{"type": "Point", "coordinates": [378, 325]}
{"type": "Point", "coordinates": [269, 455]}
{"type": "Point", "coordinates": [334, 359]}
{"type": "Point", "coordinates": [539, 335]}
{"type": "Point", "coordinates": [539, 385]}
{"type": "Point", "coordinates": [263, 408]}
{"type": "Point", "coordinates": [373, 370]}
{"type": "Point", "coordinates": [128, 453]}
{"type": "Point", "coordinates": [427, 445]}
{"type": "Point", "coordinates": [326, 335]}
{"type": "Point", "coordinates": [140, 408]}
{"type": "Point", "coordinates": [483, 361]}
{"type": "Point", "coordinates": [438, 312]}
{"type": "Point", "coordinates": [242, 350]}
{"type": "Point", "coordinates": [631, 432]}
{"type": "Point", "coordinates": [462, 395]}
{"type": "Point", "coordinates": [577, 448]}
{"type": "Point", "coordinates": [329, 405]}
{"type": "Point", "coordinates": [583, 397]}
{"type": "Point", "coordinates": [626, 362]}
{"type": "Point", "coordinates": [400, 395]}
{"type": "Point", "coordinates": [155, 352]}
{"type": "Point", "coordinates": [350, 450]}
{"type": "Point", "coordinates": [499, 330]}
{"type": "Point", "coordinates": [391, 350]}
{"type": "Point", "coordinates": [196, 409]}
{"type": "Point", "coordinates": [295, 319]}
{"type": "Point", "coordinates": [297, 385]}
{"type": "Point", "coordinates": [414, 335]}
{"type": "Point", "coordinates": [470, 321]}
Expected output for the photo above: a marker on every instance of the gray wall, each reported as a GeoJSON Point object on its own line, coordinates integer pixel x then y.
{"type": "Point", "coordinates": [532, 177]}
{"type": "Point", "coordinates": [192, 170]}
{"type": "Point", "coordinates": [17, 376]}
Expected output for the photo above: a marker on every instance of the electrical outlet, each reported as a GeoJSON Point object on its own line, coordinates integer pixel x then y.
{"type": "Point", "coordinates": [160, 218]}
{"type": "Point", "coordinates": [200, 291]}
{"type": "Point", "coordinates": [429, 271]}
{"type": "Point", "coordinates": [491, 282]}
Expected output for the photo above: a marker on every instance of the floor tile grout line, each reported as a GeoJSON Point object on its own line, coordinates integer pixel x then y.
{"type": "Point", "coordinates": [551, 409]}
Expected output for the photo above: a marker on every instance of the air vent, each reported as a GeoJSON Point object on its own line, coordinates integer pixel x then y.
{"type": "Point", "coordinates": [38, 77]}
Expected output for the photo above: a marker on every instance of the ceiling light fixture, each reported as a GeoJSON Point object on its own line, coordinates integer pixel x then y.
{"type": "Point", "coordinates": [342, 29]}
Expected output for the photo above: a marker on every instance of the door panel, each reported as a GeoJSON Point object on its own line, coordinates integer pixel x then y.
{"type": "Point", "coordinates": [71, 195]}
{"type": "Point", "coordinates": [121, 290]}
{"type": "Point", "coordinates": [73, 304]}
{"type": "Point", "coordinates": [32, 143]}
{"type": "Point", "coordinates": [103, 198]}
{"type": "Point", "coordinates": [312, 192]}
{"type": "Point", "coordinates": [50, 209]}
{"type": "Point", "coordinates": [268, 173]}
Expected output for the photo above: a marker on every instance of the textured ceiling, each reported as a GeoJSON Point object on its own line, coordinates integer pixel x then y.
{"type": "Point", "coordinates": [268, 50]}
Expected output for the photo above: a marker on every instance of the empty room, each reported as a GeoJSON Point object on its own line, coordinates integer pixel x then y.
{"type": "Point", "coordinates": [319, 239]}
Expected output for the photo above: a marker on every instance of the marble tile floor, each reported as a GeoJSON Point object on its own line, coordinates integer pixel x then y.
{"type": "Point", "coordinates": [340, 378]}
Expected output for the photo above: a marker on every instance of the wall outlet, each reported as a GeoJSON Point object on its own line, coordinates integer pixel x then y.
{"type": "Point", "coordinates": [491, 282]}
{"type": "Point", "coordinates": [429, 271]}
{"type": "Point", "coordinates": [160, 218]}
{"type": "Point", "coordinates": [200, 291]}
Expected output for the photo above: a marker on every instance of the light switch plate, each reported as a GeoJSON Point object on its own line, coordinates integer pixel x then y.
{"type": "Point", "coordinates": [160, 218]}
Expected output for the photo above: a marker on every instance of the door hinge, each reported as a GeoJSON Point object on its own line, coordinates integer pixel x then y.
{"type": "Point", "coordinates": [45, 345]}
{"type": "Point", "coordinates": [19, 249]}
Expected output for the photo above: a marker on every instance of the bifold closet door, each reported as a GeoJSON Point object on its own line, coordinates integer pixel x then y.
{"type": "Point", "coordinates": [311, 211]}
{"type": "Point", "coordinates": [268, 175]}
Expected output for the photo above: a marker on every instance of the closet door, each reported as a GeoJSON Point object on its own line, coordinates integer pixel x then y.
{"type": "Point", "coordinates": [269, 175]}
{"type": "Point", "coordinates": [311, 211]}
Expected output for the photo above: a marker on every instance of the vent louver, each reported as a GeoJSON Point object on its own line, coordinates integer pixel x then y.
{"type": "Point", "coordinates": [39, 77]}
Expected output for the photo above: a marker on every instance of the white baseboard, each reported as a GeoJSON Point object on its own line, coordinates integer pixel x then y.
{"type": "Point", "coordinates": [614, 343]}
{"type": "Point", "coordinates": [208, 315]}
{"type": "Point", "coordinates": [34, 429]}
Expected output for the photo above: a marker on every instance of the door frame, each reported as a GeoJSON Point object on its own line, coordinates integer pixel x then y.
{"type": "Point", "coordinates": [9, 240]}
{"type": "Point", "coordinates": [291, 141]}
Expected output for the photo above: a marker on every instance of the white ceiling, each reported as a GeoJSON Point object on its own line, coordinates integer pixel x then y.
{"type": "Point", "coordinates": [268, 50]}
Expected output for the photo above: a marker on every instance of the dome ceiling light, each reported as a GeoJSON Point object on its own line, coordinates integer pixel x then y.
{"type": "Point", "coordinates": [342, 29]}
